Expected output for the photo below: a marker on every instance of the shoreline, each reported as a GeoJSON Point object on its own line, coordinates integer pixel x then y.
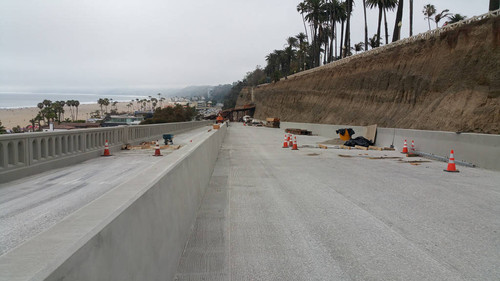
{"type": "Point", "coordinates": [11, 117]}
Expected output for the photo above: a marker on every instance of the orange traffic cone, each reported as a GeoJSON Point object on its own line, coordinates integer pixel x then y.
{"type": "Point", "coordinates": [106, 149]}
{"type": "Point", "coordinates": [451, 164]}
{"type": "Point", "coordinates": [157, 150]}
{"type": "Point", "coordinates": [285, 142]}
{"type": "Point", "coordinates": [405, 148]}
{"type": "Point", "coordinates": [412, 146]}
{"type": "Point", "coordinates": [290, 141]}
{"type": "Point", "coordinates": [295, 144]}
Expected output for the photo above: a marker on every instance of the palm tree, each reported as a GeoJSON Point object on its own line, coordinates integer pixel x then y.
{"type": "Point", "coordinates": [494, 5]}
{"type": "Point", "coordinates": [69, 103]}
{"type": "Point", "coordinates": [301, 53]}
{"type": "Point", "coordinates": [396, 34]}
{"type": "Point", "coordinates": [376, 4]}
{"type": "Point", "coordinates": [456, 18]}
{"type": "Point", "coordinates": [101, 103]}
{"type": "Point", "coordinates": [366, 25]}
{"type": "Point", "coordinates": [106, 103]}
{"type": "Point", "coordinates": [33, 123]}
{"type": "Point", "coordinates": [58, 109]}
{"type": "Point", "coordinates": [292, 44]}
{"type": "Point", "coordinates": [47, 103]}
{"type": "Point", "coordinates": [335, 13]}
{"type": "Point", "coordinates": [347, 42]}
{"type": "Point", "coordinates": [440, 16]}
{"type": "Point", "coordinates": [374, 42]}
{"type": "Point", "coordinates": [2, 128]}
{"type": "Point", "coordinates": [39, 118]}
{"type": "Point", "coordinates": [388, 5]}
{"type": "Point", "coordinates": [76, 104]}
{"type": "Point", "coordinates": [358, 47]}
{"type": "Point", "coordinates": [343, 19]}
{"type": "Point", "coordinates": [411, 18]}
{"type": "Point", "coordinates": [429, 11]}
{"type": "Point", "coordinates": [302, 8]}
{"type": "Point", "coordinates": [314, 14]}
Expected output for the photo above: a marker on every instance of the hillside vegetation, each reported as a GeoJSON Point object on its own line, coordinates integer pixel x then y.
{"type": "Point", "coordinates": [450, 82]}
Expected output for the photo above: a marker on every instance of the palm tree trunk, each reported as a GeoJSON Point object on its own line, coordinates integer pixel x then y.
{"type": "Point", "coordinates": [379, 25]}
{"type": "Point", "coordinates": [347, 42]}
{"type": "Point", "coordinates": [411, 18]}
{"type": "Point", "coordinates": [386, 30]}
{"type": "Point", "coordinates": [399, 21]}
{"type": "Point", "coordinates": [342, 39]}
{"type": "Point", "coordinates": [336, 41]}
{"type": "Point", "coordinates": [366, 26]}
{"type": "Point", "coordinates": [305, 28]}
{"type": "Point", "coordinates": [330, 50]}
{"type": "Point", "coordinates": [494, 5]}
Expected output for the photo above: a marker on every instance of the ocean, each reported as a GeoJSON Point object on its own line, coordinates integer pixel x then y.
{"type": "Point", "coordinates": [25, 99]}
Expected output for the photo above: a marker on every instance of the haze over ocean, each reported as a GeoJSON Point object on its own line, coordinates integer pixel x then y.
{"type": "Point", "coordinates": [27, 99]}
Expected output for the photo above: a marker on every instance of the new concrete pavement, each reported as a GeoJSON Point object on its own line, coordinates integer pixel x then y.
{"type": "Point", "coordinates": [33, 204]}
{"type": "Point", "coordinates": [274, 214]}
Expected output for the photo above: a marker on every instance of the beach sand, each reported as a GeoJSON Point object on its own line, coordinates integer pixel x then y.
{"type": "Point", "coordinates": [21, 116]}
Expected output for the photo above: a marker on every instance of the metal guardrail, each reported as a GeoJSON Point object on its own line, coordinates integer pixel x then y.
{"type": "Point", "coordinates": [28, 149]}
{"type": "Point", "coordinates": [422, 36]}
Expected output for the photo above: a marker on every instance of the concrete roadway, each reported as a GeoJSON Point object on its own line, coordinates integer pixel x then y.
{"type": "Point", "coordinates": [33, 204]}
{"type": "Point", "coordinates": [274, 214]}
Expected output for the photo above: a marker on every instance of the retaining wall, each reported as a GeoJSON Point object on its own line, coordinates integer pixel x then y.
{"type": "Point", "coordinates": [137, 231]}
{"type": "Point", "coordinates": [31, 153]}
{"type": "Point", "coordinates": [481, 150]}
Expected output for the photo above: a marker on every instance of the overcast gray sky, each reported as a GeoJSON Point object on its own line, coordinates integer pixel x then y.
{"type": "Point", "coordinates": [103, 44]}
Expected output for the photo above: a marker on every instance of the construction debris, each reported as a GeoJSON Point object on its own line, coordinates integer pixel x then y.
{"type": "Point", "coordinates": [385, 157]}
{"type": "Point", "coordinates": [345, 134]}
{"type": "Point", "coordinates": [298, 132]}
{"type": "Point", "coordinates": [361, 147]}
{"type": "Point", "coordinates": [370, 132]}
{"type": "Point", "coordinates": [272, 122]}
{"type": "Point", "coordinates": [148, 146]}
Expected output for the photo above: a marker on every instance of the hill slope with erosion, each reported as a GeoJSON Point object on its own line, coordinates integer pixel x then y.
{"type": "Point", "coordinates": [449, 82]}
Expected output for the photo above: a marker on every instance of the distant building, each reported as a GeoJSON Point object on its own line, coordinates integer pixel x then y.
{"type": "Point", "coordinates": [117, 120]}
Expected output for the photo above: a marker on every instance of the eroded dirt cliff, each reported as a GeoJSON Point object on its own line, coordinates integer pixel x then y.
{"type": "Point", "coordinates": [450, 82]}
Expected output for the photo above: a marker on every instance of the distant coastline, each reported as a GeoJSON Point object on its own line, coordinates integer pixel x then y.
{"type": "Point", "coordinates": [14, 100]}
{"type": "Point", "coordinates": [11, 117]}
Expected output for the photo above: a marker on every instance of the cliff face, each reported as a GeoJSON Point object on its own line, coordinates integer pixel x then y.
{"type": "Point", "coordinates": [449, 83]}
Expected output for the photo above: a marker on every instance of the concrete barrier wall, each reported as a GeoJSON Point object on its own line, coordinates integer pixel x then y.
{"type": "Point", "coordinates": [137, 231]}
{"type": "Point", "coordinates": [31, 153]}
{"type": "Point", "coordinates": [480, 150]}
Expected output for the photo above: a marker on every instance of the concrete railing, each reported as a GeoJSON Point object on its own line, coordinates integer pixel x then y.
{"type": "Point", "coordinates": [136, 231]}
{"type": "Point", "coordinates": [30, 153]}
{"type": "Point", "coordinates": [480, 150]}
{"type": "Point", "coordinates": [422, 36]}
